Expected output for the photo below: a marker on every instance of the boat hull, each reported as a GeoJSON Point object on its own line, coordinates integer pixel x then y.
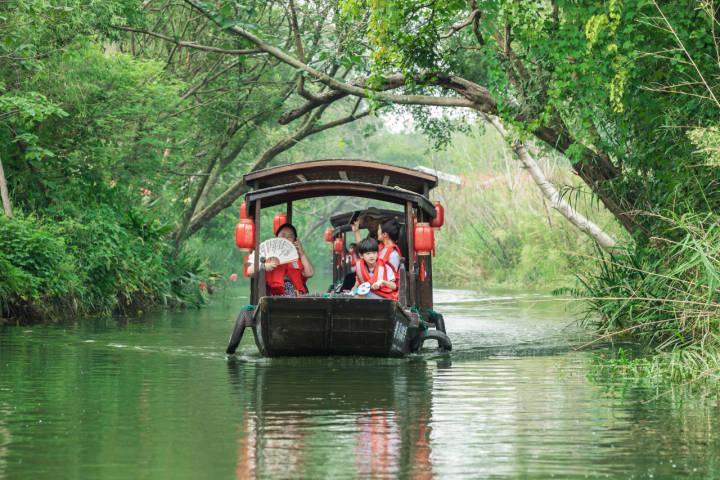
{"type": "Point", "coordinates": [289, 326]}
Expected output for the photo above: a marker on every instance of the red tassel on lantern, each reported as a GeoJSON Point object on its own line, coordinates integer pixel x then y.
{"type": "Point", "coordinates": [423, 273]}
{"type": "Point", "coordinates": [279, 220]}
{"type": "Point", "coordinates": [328, 234]}
{"type": "Point", "coordinates": [439, 219]}
{"type": "Point", "coordinates": [245, 235]}
{"type": "Point", "coordinates": [245, 266]}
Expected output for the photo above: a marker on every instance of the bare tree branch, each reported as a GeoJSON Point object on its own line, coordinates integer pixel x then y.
{"type": "Point", "coordinates": [7, 208]}
{"type": "Point", "coordinates": [549, 191]}
{"type": "Point", "coordinates": [460, 25]}
{"type": "Point", "coordinates": [185, 44]}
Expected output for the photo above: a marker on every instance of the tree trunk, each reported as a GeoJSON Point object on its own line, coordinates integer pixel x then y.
{"type": "Point", "coordinates": [7, 208]}
{"type": "Point", "coordinates": [551, 193]}
{"type": "Point", "coordinates": [237, 189]}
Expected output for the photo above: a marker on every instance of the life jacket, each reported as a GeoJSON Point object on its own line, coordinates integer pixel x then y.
{"type": "Point", "coordinates": [364, 276]}
{"type": "Point", "coordinates": [275, 279]}
{"type": "Point", "coordinates": [385, 256]}
{"type": "Point", "coordinates": [351, 260]}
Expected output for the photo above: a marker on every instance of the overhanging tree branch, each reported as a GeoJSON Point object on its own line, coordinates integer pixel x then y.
{"type": "Point", "coordinates": [593, 167]}
{"type": "Point", "coordinates": [549, 191]}
{"type": "Point", "coordinates": [237, 189]}
{"type": "Point", "coordinates": [185, 44]}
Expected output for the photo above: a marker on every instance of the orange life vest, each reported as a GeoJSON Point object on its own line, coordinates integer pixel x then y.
{"type": "Point", "coordinates": [385, 257]}
{"type": "Point", "coordinates": [276, 278]}
{"type": "Point", "coordinates": [364, 276]}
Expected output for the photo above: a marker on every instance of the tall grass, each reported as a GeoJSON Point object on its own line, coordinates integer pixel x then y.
{"type": "Point", "coordinates": [501, 231]}
{"type": "Point", "coordinates": [664, 295]}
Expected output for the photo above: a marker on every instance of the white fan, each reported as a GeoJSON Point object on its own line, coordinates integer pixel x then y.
{"type": "Point", "coordinates": [280, 248]}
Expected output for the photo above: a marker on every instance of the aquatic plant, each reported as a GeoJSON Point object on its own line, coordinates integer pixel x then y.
{"type": "Point", "coordinates": [664, 295]}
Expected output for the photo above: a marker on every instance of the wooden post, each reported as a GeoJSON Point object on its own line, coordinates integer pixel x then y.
{"type": "Point", "coordinates": [411, 252]}
{"type": "Point", "coordinates": [255, 289]}
{"type": "Point", "coordinates": [423, 289]}
{"type": "Point", "coordinates": [288, 212]}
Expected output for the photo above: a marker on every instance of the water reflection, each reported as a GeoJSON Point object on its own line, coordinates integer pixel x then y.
{"type": "Point", "coordinates": [156, 398]}
{"type": "Point", "coordinates": [290, 412]}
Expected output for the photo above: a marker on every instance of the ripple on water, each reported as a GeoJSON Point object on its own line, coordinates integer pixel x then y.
{"type": "Point", "coordinates": [158, 398]}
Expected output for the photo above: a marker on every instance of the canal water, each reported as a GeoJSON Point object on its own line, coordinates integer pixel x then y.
{"type": "Point", "coordinates": [156, 398]}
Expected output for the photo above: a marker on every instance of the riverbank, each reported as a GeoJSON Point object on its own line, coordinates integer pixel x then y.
{"type": "Point", "coordinates": [100, 262]}
{"type": "Point", "coordinates": [664, 297]}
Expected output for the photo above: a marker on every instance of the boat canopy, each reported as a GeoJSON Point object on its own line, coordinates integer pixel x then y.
{"type": "Point", "coordinates": [362, 171]}
{"type": "Point", "coordinates": [276, 195]}
{"type": "Point", "coordinates": [342, 221]}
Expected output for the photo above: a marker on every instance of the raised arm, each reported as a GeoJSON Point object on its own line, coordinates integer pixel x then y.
{"type": "Point", "coordinates": [308, 269]}
{"type": "Point", "coordinates": [356, 230]}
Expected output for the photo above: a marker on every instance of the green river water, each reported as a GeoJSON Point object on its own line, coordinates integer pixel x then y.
{"type": "Point", "coordinates": [156, 398]}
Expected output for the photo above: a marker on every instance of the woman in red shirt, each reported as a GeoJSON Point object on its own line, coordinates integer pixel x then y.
{"type": "Point", "coordinates": [290, 278]}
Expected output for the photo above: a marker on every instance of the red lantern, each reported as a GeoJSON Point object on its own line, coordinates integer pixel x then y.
{"type": "Point", "coordinates": [328, 234]}
{"type": "Point", "coordinates": [243, 211]}
{"type": "Point", "coordinates": [245, 235]}
{"type": "Point", "coordinates": [339, 245]}
{"type": "Point", "coordinates": [279, 220]}
{"type": "Point", "coordinates": [439, 219]}
{"type": "Point", "coordinates": [424, 239]}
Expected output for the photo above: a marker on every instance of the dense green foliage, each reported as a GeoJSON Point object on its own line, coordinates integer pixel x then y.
{"type": "Point", "coordinates": [93, 263]}
{"type": "Point", "coordinates": [80, 132]}
{"type": "Point", "coordinates": [125, 128]}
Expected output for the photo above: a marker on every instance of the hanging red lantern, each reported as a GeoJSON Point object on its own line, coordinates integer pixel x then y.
{"type": "Point", "coordinates": [339, 245]}
{"type": "Point", "coordinates": [279, 220]}
{"type": "Point", "coordinates": [439, 219]}
{"type": "Point", "coordinates": [245, 235]}
{"type": "Point", "coordinates": [244, 211]}
{"type": "Point", "coordinates": [424, 239]}
{"type": "Point", "coordinates": [329, 235]}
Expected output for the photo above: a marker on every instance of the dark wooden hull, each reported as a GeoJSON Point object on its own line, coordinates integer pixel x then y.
{"type": "Point", "coordinates": [288, 326]}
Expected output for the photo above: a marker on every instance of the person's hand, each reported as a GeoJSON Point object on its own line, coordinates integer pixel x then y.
{"type": "Point", "coordinates": [376, 285]}
{"type": "Point", "coordinates": [299, 247]}
{"type": "Point", "coordinates": [271, 264]}
{"type": "Point", "coordinates": [356, 226]}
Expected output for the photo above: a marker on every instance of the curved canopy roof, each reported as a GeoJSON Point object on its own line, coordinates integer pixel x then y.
{"type": "Point", "coordinates": [276, 195]}
{"type": "Point", "coordinates": [364, 171]}
{"type": "Point", "coordinates": [344, 220]}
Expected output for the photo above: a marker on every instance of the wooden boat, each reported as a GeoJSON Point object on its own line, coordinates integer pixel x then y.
{"type": "Point", "coordinates": [335, 323]}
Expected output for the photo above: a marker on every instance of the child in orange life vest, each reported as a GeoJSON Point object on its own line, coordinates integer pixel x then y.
{"type": "Point", "coordinates": [288, 279]}
{"type": "Point", "coordinates": [388, 234]}
{"type": "Point", "coordinates": [374, 271]}
{"type": "Point", "coordinates": [352, 258]}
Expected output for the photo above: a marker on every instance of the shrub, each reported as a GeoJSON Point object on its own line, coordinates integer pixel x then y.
{"type": "Point", "coordinates": [36, 267]}
{"type": "Point", "coordinates": [100, 262]}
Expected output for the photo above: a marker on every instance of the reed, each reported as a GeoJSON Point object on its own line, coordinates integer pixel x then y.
{"type": "Point", "coordinates": [663, 296]}
{"type": "Point", "coordinates": [500, 231]}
